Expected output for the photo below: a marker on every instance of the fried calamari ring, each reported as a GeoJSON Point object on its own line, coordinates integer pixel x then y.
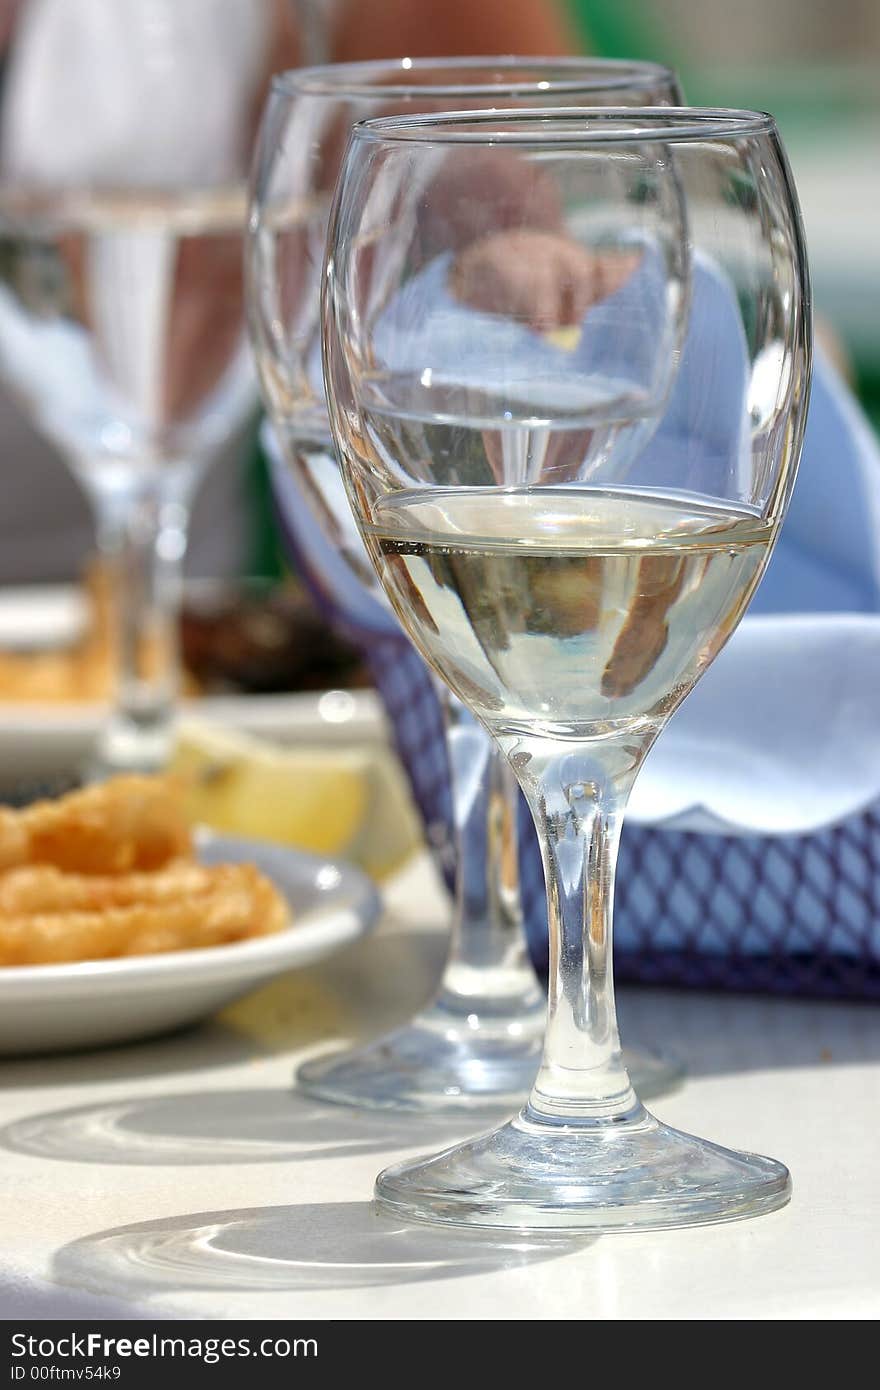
{"type": "Point", "coordinates": [43, 889]}
{"type": "Point", "coordinates": [117, 827]}
{"type": "Point", "coordinates": [238, 902]}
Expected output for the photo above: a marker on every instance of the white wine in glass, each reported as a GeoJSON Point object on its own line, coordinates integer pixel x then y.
{"type": "Point", "coordinates": [596, 619]}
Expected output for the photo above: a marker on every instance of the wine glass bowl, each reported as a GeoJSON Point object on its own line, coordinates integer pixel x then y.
{"type": "Point", "coordinates": [122, 318]}
{"type": "Point", "coordinates": [122, 322]}
{"type": "Point", "coordinates": [570, 484]}
{"type": "Point", "coordinates": [304, 134]}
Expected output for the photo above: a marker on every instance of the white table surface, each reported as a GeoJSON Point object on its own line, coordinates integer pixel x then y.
{"type": "Point", "coordinates": [183, 1178]}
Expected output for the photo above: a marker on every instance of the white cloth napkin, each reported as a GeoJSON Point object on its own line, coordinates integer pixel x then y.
{"type": "Point", "coordinates": [782, 735]}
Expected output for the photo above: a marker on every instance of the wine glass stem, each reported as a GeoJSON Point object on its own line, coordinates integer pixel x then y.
{"type": "Point", "coordinates": [143, 535]}
{"type": "Point", "coordinates": [577, 793]}
{"type": "Point", "coordinates": [488, 970]}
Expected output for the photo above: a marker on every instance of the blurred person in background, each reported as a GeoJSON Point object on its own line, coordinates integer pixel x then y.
{"type": "Point", "coordinates": [762, 59]}
{"type": "Point", "coordinates": [51, 61]}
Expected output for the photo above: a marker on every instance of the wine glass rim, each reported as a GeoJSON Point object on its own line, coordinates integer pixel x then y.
{"type": "Point", "coordinates": [547, 127]}
{"type": "Point", "coordinates": [563, 74]}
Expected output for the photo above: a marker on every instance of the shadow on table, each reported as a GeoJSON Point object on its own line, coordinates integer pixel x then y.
{"type": "Point", "coordinates": [714, 1035]}
{"type": "Point", "coordinates": [724, 1034]}
{"type": "Point", "coordinates": [212, 1044]}
{"type": "Point", "coordinates": [262, 1125]}
{"type": "Point", "coordinates": [370, 985]}
{"type": "Point", "coordinates": [319, 1245]}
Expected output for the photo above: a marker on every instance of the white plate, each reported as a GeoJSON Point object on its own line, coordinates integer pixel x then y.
{"type": "Point", "coordinates": [36, 617]}
{"type": "Point", "coordinates": [51, 1008]}
{"type": "Point", "coordinates": [39, 740]}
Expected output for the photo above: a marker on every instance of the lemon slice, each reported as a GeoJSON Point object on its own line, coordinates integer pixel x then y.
{"type": "Point", "coordinates": [350, 802]}
{"type": "Point", "coordinates": [566, 339]}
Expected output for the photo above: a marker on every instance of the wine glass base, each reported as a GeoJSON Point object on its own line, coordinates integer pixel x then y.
{"type": "Point", "coordinates": [437, 1063]}
{"type": "Point", "coordinates": [634, 1174]}
{"type": "Point", "coordinates": [126, 746]}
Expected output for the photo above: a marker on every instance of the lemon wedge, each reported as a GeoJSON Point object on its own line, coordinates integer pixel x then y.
{"type": "Point", "coordinates": [566, 339]}
{"type": "Point", "coordinates": [351, 802]}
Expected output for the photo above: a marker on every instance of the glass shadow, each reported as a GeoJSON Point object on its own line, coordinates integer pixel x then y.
{"type": "Point", "coordinates": [318, 1245]}
{"type": "Point", "coordinates": [260, 1125]}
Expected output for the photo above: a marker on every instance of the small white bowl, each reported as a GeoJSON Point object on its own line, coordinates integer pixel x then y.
{"type": "Point", "coordinates": [53, 1008]}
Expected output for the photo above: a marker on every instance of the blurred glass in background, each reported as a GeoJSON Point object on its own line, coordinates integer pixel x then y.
{"type": "Point", "coordinates": [71, 50]}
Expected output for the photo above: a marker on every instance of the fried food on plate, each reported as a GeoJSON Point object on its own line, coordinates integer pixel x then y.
{"type": "Point", "coordinates": [42, 888]}
{"type": "Point", "coordinates": [232, 902]}
{"type": "Point", "coordinates": [109, 871]}
{"type": "Point", "coordinates": [118, 827]}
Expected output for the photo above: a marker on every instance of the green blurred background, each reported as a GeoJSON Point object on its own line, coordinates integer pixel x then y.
{"type": "Point", "coordinates": [815, 64]}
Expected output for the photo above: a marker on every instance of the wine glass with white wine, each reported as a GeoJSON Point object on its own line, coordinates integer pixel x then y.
{"type": "Point", "coordinates": [569, 525]}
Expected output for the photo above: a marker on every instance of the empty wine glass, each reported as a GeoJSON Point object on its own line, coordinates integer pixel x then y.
{"type": "Point", "coordinates": [570, 483]}
{"type": "Point", "coordinates": [125, 137]}
{"type": "Point", "coordinates": [479, 1041]}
